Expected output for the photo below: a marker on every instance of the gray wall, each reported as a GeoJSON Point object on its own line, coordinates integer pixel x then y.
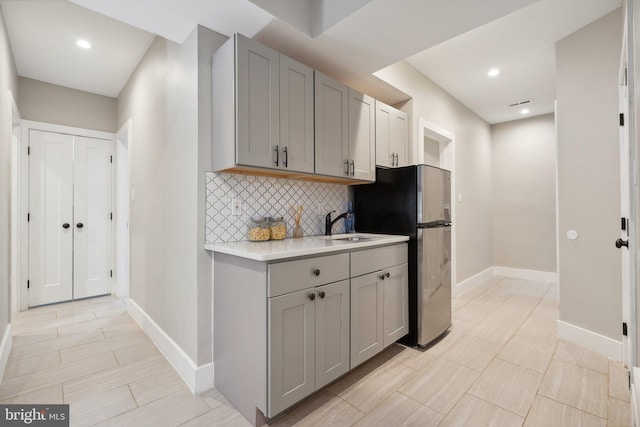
{"type": "Point", "coordinates": [8, 82]}
{"type": "Point", "coordinates": [588, 175]}
{"type": "Point", "coordinates": [49, 103]}
{"type": "Point", "coordinates": [170, 150]}
{"type": "Point", "coordinates": [524, 193]}
{"type": "Point", "coordinates": [474, 217]}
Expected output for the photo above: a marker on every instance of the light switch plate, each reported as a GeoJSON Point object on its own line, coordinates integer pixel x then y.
{"type": "Point", "coordinates": [236, 207]}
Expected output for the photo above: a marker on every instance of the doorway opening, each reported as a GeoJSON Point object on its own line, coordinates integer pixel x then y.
{"type": "Point", "coordinates": [122, 230]}
{"type": "Point", "coordinates": [15, 203]}
{"type": "Point", "coordinates": [66, 199]}
{"type": "Point", "coordinates": [436, 147]}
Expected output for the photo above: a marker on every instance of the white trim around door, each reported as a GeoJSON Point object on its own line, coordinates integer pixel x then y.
{"type": "Point", "coordinates": [26, 126]}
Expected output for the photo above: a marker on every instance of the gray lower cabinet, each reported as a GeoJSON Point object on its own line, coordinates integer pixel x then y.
{"type": "Point", "coordinates": [308, 342]}
{"type": "Point", "coordinates": [285, 329]}
{"type": "Point", "coordinates": [366, 318]}
{"type": "Point", "coordinates": [379, 300]}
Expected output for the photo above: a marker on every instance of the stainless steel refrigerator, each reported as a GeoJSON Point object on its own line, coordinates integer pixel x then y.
{"type": "Point", "coordinates": [415, 201]}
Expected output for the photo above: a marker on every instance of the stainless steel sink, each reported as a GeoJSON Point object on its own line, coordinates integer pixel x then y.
{"type": "Point", "coordinates": [353, 238]}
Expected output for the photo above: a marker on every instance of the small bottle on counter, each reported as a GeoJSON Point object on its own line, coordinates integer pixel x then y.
{"type": "Point", "coordinates": [350, 219]}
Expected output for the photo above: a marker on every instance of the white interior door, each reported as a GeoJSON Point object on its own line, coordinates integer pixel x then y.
{"type": "Point", "coordinates": [50, 217]}
{"type": "Point", "coordinates": [92, 217]}
{"type": "Point", "coordinates": [628, 187]}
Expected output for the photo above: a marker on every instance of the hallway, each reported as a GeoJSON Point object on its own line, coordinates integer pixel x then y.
{"type": "Point", "coordinates": [501, 363]}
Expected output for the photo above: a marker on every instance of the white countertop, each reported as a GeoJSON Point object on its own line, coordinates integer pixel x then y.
{"type": "Point", "coordinates": [311, 245]}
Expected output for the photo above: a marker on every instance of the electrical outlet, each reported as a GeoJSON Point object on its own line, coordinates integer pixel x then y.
{"type": "Point", "coordinates": [321, 209]}
{"type": "Point", "coordinates": [236, 207]}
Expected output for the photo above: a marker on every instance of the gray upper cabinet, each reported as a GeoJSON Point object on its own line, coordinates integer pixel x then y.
{"type": "Point", "coordinates": [296, 116]}
{"type": "Point", "coordinates": [262, 109]}
{"type": "Point", "coordinates": [362, 137]}
{"type": "Point", "coordinates": [345, 131]}
{"type": "Point", "coordinates": [258, 103]}
{"type": "Point", "coordinates": [331, 127]}
{"type": "Point", "coordinates": [392, 136]}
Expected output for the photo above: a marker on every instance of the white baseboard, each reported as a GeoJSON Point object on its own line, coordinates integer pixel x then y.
{"type": "Point", "coordinates": [472, 282]}
{"type": "Point", "coordinates": [590, 340]}
{"type": "Point", "coordinates": [635, 397]}
{"type": "Point", "coordinates": [521, 273]}
{"type": "Point", "coordinates": [5, 348]}
{"type": "Point", "coordinates": [198, 378]}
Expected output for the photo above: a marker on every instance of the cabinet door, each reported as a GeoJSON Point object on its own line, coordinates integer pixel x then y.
{"type": "Point", "coordinates": [331, 126]}
{"type": "Point", "coordinates": [296, 116]}
{"type": "Point", "coordinates": [258, 104]}
{"type": "Point", "coordinates": [362, 138]}
{"type": "Point", "coordinates": [383, 135]}
{"type": "Point", "coordinates": [366, 317]}
{"type": "Point", "coordinates": [399, 142]}
{"type": "Point", "coordinates": [291, 349]}
{"type": "Point", "coordinates": [332, 332]}
{"type": "Point", "coordinates": [395, 296]}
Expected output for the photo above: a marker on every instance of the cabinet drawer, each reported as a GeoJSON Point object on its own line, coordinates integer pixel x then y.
{"type": "Point", "coordinates": [291, 276]}
{"type": "Point", "coordinates": [366, 261]}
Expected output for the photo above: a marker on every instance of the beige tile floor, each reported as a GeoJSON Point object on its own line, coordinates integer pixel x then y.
{"type": "Point", "coordinates": [501, 365]}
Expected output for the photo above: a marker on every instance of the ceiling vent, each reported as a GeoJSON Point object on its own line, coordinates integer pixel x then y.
{"type": "Point", "coordinates": [517, 104]}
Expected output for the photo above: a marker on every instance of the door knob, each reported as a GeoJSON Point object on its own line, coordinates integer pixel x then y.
{"type": "Point", "coordinates": [79, 225]}
{"type": "Point", "coordinates": [620, 243]}
{"type": "Point", "coordinates": [65, 225]}
{"type": "Point", "coordinates": [316, 271]}
{"type": "Point", "coordinates": [321, 294]}
{"type": "Point", "coordinates": [312, 296]}
{"type": "Point", "coordinates": [381, 277]}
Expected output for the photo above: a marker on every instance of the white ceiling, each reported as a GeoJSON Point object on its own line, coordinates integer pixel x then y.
{"type": "Point", "coordinates": [43, 38]}
{"type": "Point", "coordinates": [521, 45]}
{"type": "Point", "coordinates": [367, 35]}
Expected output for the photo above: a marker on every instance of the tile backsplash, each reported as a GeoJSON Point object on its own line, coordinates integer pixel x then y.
{"type": "Point", "coordinates": [268, 196]}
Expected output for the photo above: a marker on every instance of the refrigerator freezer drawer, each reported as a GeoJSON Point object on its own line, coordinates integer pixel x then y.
{"type": "Point", "coordinates": [434, 283]}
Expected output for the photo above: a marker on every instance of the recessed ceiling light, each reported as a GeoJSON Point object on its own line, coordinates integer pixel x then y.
{"type": "Point", "coordinates": [493, 72]}
{"type": "Point", "coordinates": [83, 44]}
{"type": "Point", "coordinates": [524, 111]}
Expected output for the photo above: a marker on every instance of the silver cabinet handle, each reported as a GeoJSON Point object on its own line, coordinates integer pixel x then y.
{"type": "Point", "coordinates": [346, 167]}
{"type": "Point", "coordinates": [393, 159]}
{"type": "Point", "coordinates": [353, 168]}
{"type": "Point", "coordinates": [277, 155]}
{"type": "Point", "coordinates": [397, 161]}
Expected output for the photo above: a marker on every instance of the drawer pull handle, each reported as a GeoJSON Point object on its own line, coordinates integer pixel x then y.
{"type": "Point", "coordinates": [321, 294]}
{"type": "Point", "coordinates": [312, 296]}
{"type": "Point", "coordinates": [316, 272]}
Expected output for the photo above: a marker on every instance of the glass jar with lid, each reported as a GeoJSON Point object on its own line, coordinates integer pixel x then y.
{"type": "Point", "coordinates": [277, 228]}
{"type": "Point", "coordinates": [258, 229]}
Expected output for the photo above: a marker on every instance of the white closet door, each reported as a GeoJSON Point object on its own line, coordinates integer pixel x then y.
{"type": "Point", "coordinates": [92, 217]}
{"type": "Point", "coordinates": [51, 217]}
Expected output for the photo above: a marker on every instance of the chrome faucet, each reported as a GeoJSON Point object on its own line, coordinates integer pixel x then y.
{"type": "Point", "coordinates": [328, 223]}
